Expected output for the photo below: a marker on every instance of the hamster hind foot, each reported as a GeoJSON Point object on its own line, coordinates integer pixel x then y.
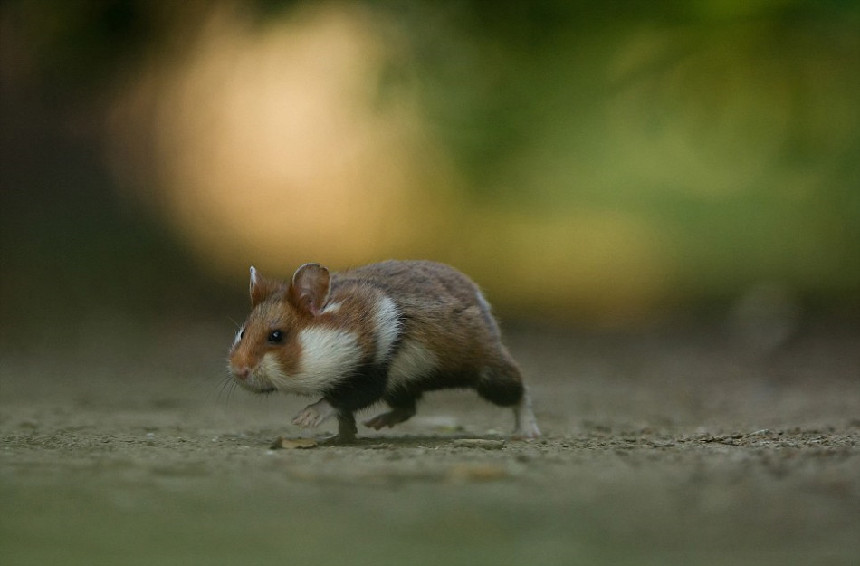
{"type": "Point", "coordinates": [525, 422]}
{"type": "Point", "coordinates": [390, 418]}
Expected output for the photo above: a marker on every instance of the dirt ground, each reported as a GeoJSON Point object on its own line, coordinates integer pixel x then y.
{"type": "Point", "coordinates": [676, 445]}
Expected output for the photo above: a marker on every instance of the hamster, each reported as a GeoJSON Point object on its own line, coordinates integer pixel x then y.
{"type": "Point", "coordinates": [382, 332]}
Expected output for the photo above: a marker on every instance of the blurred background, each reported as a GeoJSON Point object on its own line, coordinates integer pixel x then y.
{"type": "Point", "coordinates": [661, 200]}
{"type": "Point", "coordinates": [593, 164]}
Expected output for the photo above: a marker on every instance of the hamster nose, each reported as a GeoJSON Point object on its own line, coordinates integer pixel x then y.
{"type": "Point", "coordinates": [243, 373]}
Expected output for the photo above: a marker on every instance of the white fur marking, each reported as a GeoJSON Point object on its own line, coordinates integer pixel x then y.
{"type": "Point", "coordinates": [327, 357]}
{"type": "Point", "coordinates": [483, 302]}
{"type": "Point", "coordinates": [413, 361]}
{"type": "Point", "coordinates": [271, 367]}
{"type": "Point", "coordinates": [387, 327]}
{"type": "Point", "coordinates": [331, 307]}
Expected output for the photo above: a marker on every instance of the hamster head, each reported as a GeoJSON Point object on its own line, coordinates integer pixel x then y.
{"type": "Point", "coordinates": [266, 354]}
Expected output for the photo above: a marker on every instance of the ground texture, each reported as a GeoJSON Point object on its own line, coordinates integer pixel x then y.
{"type": "Point", "coordinates": [664, 446]}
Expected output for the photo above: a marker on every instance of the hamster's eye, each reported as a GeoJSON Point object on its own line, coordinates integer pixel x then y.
{"type": "Point", "coordinates": [276, 337]}
{"type": "Point", "coordinates": [242, 334]}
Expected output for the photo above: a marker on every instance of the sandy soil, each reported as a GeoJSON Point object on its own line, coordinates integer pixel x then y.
{"type": "Point", "coordinates": [660, 447]}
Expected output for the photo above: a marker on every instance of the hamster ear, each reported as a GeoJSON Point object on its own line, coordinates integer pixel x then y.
{"type": "Point", "coordinates": [310, 287]}
{"type": "Point", "coordinates": [261, 288]}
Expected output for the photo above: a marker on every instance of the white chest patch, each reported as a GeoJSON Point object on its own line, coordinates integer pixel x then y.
{"type": "Point", "coordinates": [413, 361]}
{"type": "Point", "coordinates": [327, 357]}
{"type": "Point", "coordinates": [387, 327]}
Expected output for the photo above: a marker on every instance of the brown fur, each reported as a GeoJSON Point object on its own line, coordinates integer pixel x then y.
{"type": "Point", "coordinates": [440, 310]}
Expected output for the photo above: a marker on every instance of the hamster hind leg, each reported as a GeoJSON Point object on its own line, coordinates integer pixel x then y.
{"type": "Point", "coordinates": [402, 409]}
{"type": "Point", "coordinates": [501, 384]}
{"type": "Point", "coordinates": [525, 423]}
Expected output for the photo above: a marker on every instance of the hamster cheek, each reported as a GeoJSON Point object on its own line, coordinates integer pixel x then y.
{"type": "Point", "coordinates": [272, 370]}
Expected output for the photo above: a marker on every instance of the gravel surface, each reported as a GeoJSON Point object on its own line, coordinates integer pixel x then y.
{"type": "Point", "coordinates": [665, 446]}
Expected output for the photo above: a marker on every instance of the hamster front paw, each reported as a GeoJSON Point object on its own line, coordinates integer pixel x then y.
{"type": "Point", "coordinates": [314, 414]}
